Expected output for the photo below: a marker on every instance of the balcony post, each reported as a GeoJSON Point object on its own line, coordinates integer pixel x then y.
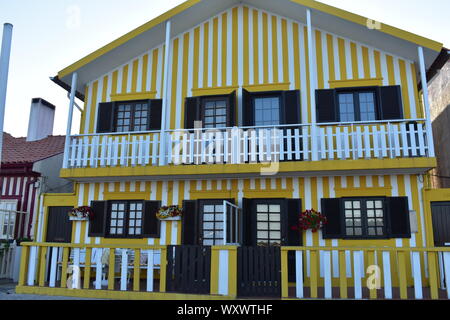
{"type": "Point", "coordinates": [73, 90]}
{"type": "Point", "coordinates": [312, 93]}
{"type": "Point", "coordinates": [165, 97]}
{"type": "Point", "coordinates": [5, 55]}
{"type": "Point", "coordinates": [426, 102]}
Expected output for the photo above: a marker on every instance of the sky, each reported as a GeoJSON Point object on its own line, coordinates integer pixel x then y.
{"type": "Point", "coordinates": [49, 35]}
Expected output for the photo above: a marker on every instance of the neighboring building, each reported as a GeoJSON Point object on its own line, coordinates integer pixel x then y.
{"type": "Point", "coordinates": [245, 116]}
{"type": "Point", "coordinates": [439, 89]}
{"type": "Point", "coordinates": [30, 166]}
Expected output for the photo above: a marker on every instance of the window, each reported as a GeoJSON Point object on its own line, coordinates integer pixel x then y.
{"type": "Point", "coordinates": [212, 216]}
{"type": "Point", "coordinates": [268, 219]}
{"type": "Point", "coordinates": [267, 110]}
{"type": "Point", "coordinates": [215, 113]}
{"type": "Point", "coordinates": [7, 218]}
{"type": "Point", "coordinates": [126, 219]}
{"type": "Point", "coordinates": [364, 218]}
{"type": "Point", "coordinates": [357, 106]}
{"type": "Point", "coordinates": [132, 116]}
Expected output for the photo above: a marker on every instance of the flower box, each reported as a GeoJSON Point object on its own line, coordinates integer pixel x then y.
{"type": "Point", "coordinates": [71, 218]}
{"type": "Point", "coordinates": [169, 213]}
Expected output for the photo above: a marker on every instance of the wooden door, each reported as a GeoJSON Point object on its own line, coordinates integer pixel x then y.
{"type": "Point", "coordinates": [59, 227]}
{"type": "Point", "coordinates": [440, 213]}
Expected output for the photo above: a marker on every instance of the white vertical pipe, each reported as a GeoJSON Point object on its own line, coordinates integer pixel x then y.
{"type": "Point", "coordinates": [426, 101]}
{"type": "Point", "coordinates": [4, 70]}
{"type": "Point", "coordinates": [73, 91]}
{"type": "Point", "coordinates": [312, 78]}
{"type": "Point", "coordinates": [165, 96]}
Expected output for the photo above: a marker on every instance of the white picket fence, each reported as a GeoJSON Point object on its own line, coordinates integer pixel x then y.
{"type": "Point", "coordinates": [375, 140]}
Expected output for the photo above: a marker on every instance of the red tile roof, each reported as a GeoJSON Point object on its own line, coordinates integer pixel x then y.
{"type": "Point", "coordinates": [18, 150]}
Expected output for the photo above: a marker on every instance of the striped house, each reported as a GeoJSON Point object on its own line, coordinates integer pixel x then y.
{"type": "Point", "coordinates": [246, 114]}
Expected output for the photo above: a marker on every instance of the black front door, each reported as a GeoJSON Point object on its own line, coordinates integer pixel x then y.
{"type": "Point", "coordinates": [59, 227]}
{"type": "Point", "coordinates": [440, 212]}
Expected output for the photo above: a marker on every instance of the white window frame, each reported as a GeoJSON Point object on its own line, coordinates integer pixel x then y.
{"type": "Point", "coordinates": [237, 213]}
{"type": "Point", "coordinates": [8, 208]}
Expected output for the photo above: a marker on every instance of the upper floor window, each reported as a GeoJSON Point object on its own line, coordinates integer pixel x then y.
{"type": "Point", "coordinates": [359, 104]}
{"type": "Point", "coordinates": [213, 111]}
{"type": "Point", "coordinates": [132, 116]}
{"type": "Point", "coordinates": [267, 110]}
{"type": "Point", "coordinates": [129, 116]}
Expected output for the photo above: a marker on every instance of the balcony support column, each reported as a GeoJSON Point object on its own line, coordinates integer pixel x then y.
{"type": "Point", "coordinates": [165, 97]}
{"type": "Point", "coordinates": [313, 82]}
{"type": "Point", "coordinates": [426, 102]}
{"type": "Point", "coordinates": [73, 90]}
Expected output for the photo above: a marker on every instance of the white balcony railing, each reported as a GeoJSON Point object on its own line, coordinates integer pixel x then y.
{"type": "Point", "coordinates": [335, 141]}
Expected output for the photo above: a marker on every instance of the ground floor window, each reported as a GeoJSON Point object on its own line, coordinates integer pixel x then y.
{"type": "Point", "coordinates": [212, 222]}
{"type": "Point", "coordinates": [268, 229]}
{"type": "Point", "coordinates": [125, 219]}
{"type": "Point", "coordinates": [364, 217]}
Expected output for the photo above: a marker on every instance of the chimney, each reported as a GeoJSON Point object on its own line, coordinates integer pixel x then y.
{"type": "Point", "coordinates": [42, 116]}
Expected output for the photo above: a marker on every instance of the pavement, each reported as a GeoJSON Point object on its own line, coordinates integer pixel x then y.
{"type": "Point", "coordinates": [8, 292]}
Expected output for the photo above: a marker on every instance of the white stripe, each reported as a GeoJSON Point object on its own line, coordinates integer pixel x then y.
{"type": "Point", "coordinates": [373, 69]}
{"type": "Point", "coordinates": [210, 52]}
{"type": "Point", "coordinates": [369, 181]}
{"type": "Point", "coordinates": [348, 59]}
{"type": "Point", "coordinates": [219, 52]}
{"type": "Point", "coordinates": [230, 49]}
{"type": "Point", "coordinates": [326, 69]}
{"type": "Point", "coordinates": [159, 73]}
{"type": "Point", "coordinates": [190, 64]}
{"type": "Point", "coordinates": [397, 72]}
{"type": "Point", "coordinates": [280, 50]}
{"type": "Point", "coordinates": [241, 46]}
{"type": "Point", "coordinates": [261, 52]}
{"type": "Point", "coordinates": [109, 88]}
{"type": "Point", "coordinates": [412, 98]}
{"type": "Point", "coordinates": [201, 57]}
{"type": "Point", "coordinates": [270, 48]}
{"type": "Point", "coordinates": [139, 74]}
{"type": "Point", "coordinates": [359, 55]}
{"type": "Point", "coordinates": [149, 71]}
{"type": "Point", "coordinates": [384, 69]}
{"type": "Point", "coordinates": [337, 64]}
{"type": "Point", "coordinates": [179, 98]}
{"type": "Point", "coordinates": [291, 55]}
{"type": "Point", "coordinates": [88, 111]}
{"type": "Point", "coordinates": [130, 76]}
{"type": "Point", "coordinates": [303, 70]}
{"type": "Point", "coordinates": [223, 272]}
{"type": "Point", "coordinates": [251, 60]}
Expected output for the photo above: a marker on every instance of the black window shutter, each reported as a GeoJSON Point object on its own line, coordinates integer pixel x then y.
{"type": "Point", "coordinates": [390, 98]}
{"type": "Point", "coordinates": [105, 117]}
{"type": "Point", "coordinates": [191, 112]}
{"type": "Point", "coordinates": [189, 231]}
{"type": "Point", "coordinates": [152, 225]}
{"type": "Point", "coordinates": [155, 115]}
{"type": "Point", "coordinates": [291, 106]}
{"type": "Point", "coordinates": [248, 226]}
{"type": "Point", "coordinates": [97, 225]}
{"type": "Point", "coordinates": [294, 208]}
{"type": "Point", "coordinates": [248, 109]}
{"type": "Point", "coordinates": [398, 213]}
{"type": "Point", "coordinates": [331, 209]}
{"type": "Point", "coordinates": [326, 106]}
{"type": "Point", "coordinates": [232, 109]}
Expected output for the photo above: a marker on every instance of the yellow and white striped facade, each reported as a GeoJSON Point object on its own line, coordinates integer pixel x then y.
{"type": "Point", "coordinates": [309, 189]}
{"type": "Point", "coordinates": [246, 47]}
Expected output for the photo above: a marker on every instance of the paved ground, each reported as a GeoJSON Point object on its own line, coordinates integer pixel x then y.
{"type": "Point", "coordinates": [7, 292]}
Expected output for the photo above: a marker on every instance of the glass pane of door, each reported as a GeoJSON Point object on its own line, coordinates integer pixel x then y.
{"type": "Point", "coordinates": [268, 224]}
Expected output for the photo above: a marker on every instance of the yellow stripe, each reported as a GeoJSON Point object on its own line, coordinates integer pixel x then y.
{"type": "Point", "coordinates": [196, 57]}
{"type": "Point", "coordinates": [284, 274]}
{"type": "Point", "coordinates": [265, 29]}
{"type": "Point", "coordinates": [366, 62]}
{"type": "Point", "coordinates": [246, 65]}
{"type": "Point", "coordinates": [87, 269]}
{"type": "Point", "coordinates": [355, 68]}
{"type": "Point", "coordinates": [163, 75]}
{"type": "Point", "coordinates": [390, 66]}
{"type": "Point", "coordinates": [275, 52]}
{"type": "Point", "coordinates": [377, 58]}
{"type": "Point", "coordinates": [215, 275]}
{"type": "Point", "coordinates": [93, 107]}
{"type": "Point", "coordinates": [419, 110]}
{"type": "Point", "coordinates": [124, 78]}
{"type": "Point", "coordinates": [342, 60]}
{"type": "Point", "coordinates": [224, 48]}
{"type": "Point", "coordinates": [296, 58]}
{"type": "Point", "coordinates": [205, 54]}
{"type": "Point", "coordinates": [285, 51]}
{"type": "Point", "coordinates": [405, 90]}
{"type": "Point", "coordinates": [319, 61]}
{"type": "Point", "coordinates": [332, 73]}
{"type": "Point", "coordinates": [144, 73]}
{"type": "Point", "coordinates": [176, 44]}
{"type": "Point", "coordinates": [115, 77]}
{"type": "Point", "coordinates": [215, 57]}
{"type": "Point", "coordinates": [134, 76]}
{"type": "Point", "coordinates": [255, 46]}
{"type": "Point", "coordinates": [235, 31]}
{"type": "Point", "coordinates": [154, 69]}
{"type": "Point", "coordinates": [105, 88]}
{"type": "Point", "coordinates": [83, 115]}
{"type": "Point", "coordinates": [185, 76]}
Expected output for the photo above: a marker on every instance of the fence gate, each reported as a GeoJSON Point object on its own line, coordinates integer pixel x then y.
{"type": "Point", "coordinates": [259, 272]}
{"type": "Point", "coordinates": [188, 269]}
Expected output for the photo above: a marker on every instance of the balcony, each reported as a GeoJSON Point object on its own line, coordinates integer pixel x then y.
{"type": "Point", "coordinates": [303, 143]}
{"type": "Point", "coordinates": [228, 272]}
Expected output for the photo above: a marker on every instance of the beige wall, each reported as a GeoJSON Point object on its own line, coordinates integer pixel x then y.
{"type": "Point", "coordinates": [440, 115]}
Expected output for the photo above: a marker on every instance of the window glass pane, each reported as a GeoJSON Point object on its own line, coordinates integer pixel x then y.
{"type": "Point", "coordinates": [367, 106]}
{"type": "Point", "coordinates": [267, 111]}
{"type": "Point", "coordinates": [346, 107]}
